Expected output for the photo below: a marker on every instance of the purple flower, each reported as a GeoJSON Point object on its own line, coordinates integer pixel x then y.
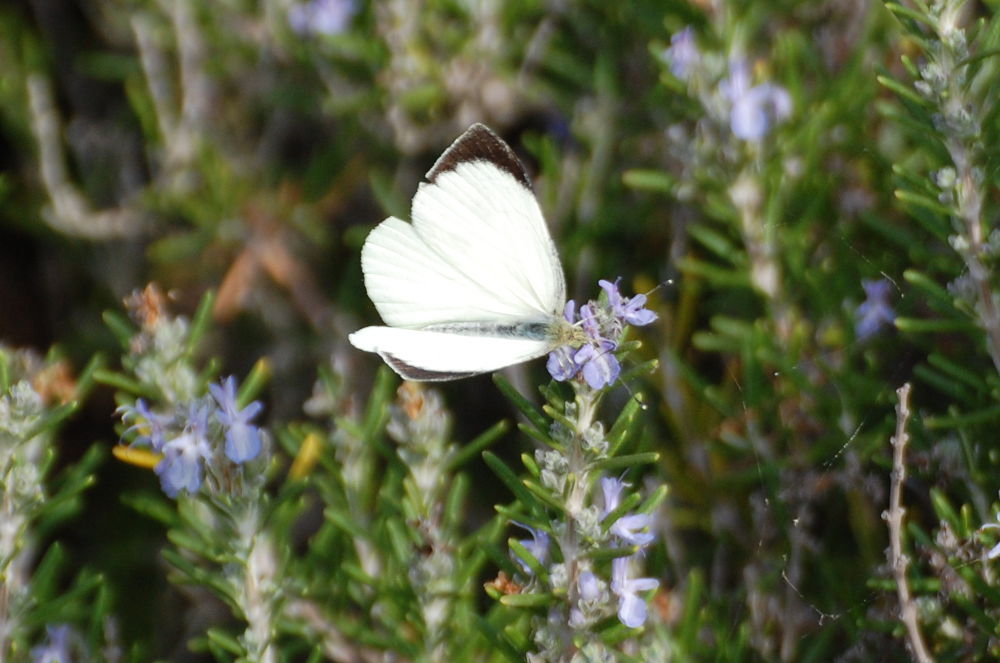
{"type": "Point", "coordinates": [599, 364]}
{"type": "Point", "coordinates": [633, 528]}
{"type": "Point", "coordinates": [594, 358]}
{"type": "Point", "coordinates": [631, 608]}
{"type": "Point", "coordinates": [569, 311]}
{"type": "Point", "coordinates": [590, 323]}
{"type": "Point", "coordinates": [184, 456]}
{"type": "Point", "coordinates": [875, 312]}
{"type": "Point", "coordinates": [560, 364]}
{"type": "Point", "coordinates": [324, 17]}
{"type": "Point", "coordinates": [632, 310]}
{"type": "Point", "coordinates": [242, 440]}
{"type": "Point", "coordinates": [753, 109]}
{"type": "Point", "coordinates": [612, 489]}
{"type": "Point", "coordinates": [150, 426]}
{"type": "Point", "coordinates": [682, 54]}
{"type": "Point", "coordinates": [537, 545]}
{"type": "Point", "coordinates": [57, 647]}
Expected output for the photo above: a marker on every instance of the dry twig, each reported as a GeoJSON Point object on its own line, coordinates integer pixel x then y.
{"type": "Point", "coordinates": [894, 517]}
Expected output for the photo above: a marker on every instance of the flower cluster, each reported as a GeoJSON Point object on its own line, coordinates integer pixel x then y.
{"type": "Point", "coordinates": [726, 90]}
{"type": "Point", "coordinates": [754, 109]}
{"type": "Point", "coordinates": [592, 596]}
{"type": "Point", "coordinates": [603, 325]}
{"type": "Point", "coordinates": [190, 437]}
{"type": "Point", "coordinates": [630, 529]}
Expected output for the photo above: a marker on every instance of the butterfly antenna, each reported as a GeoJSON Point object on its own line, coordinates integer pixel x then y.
{"type": "Point", "coordinates": [632, 395]}
{"type": "Point", "coordinates": [659, 285]}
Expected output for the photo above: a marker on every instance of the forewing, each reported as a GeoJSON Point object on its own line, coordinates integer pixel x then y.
{"type": "Point", "coordinates": [478, 213]}
{"type": "Point", "coordinates": [412, 285]}
{"type": "Point", "coordinates": [434, 356]}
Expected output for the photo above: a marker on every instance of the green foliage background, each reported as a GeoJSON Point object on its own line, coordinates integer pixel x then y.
{"type": "Point", "coordinates": [209, 147]}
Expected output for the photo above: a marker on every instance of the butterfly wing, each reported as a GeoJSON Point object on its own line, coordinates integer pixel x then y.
{"type": "Point", "coordinates": [478, 248]}
{"type": "Point", "coordinates": [417, 354]}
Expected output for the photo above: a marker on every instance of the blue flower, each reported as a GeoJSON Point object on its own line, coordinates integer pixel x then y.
{"type": "Point", "coordinates": [590, 323]}
{"type": "Point", "coordinates": [631, 608]}
{"type": "Point", "coordinates": [632, 528]}
{"type": "Point", "coordinates": [598, 363]}
{"type": "Point", "coordinates": [185, 455]}
{"type": "Point", "coordinates": [612, 489]}
{"type": "Point", "coordinates": [594, 358]}
{"type": "Point", "coordinates": [324, 17]}
{"type": "Point", "coordinates": [560, 364]}
{"type": "Point", "coordinates": [753, 109]}
{"type": "Point", "coordinates": [537, 545]}
{"type": "Point", "coordinates": [150, 426]}
{"type": "Point", "coordinates": [682, 55]}
{"type": "Point", "coordinates": [242, 440]}
{"type": "Point", "coordinates": [56, 648]}
{"type": "Point", "coordinates": [875, 312]}
{"type": "Point", "coordinates": [631, 310]}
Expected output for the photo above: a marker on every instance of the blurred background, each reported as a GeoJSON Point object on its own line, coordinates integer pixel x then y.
{"type": "Point", "coordinates": [812, 196]}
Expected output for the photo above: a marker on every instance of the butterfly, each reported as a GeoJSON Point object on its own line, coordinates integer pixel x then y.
{"type": "Point", "coordinates": [473, 283]}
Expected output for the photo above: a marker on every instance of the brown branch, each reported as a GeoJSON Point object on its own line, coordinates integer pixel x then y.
{"type": "Point", "coordinates": [894, 517]}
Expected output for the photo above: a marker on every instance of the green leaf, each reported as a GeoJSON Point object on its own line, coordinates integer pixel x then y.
{"type": "Point", "coordinates": [624, 507]}
{"type": "Point", "coordinates": [624, 427]}
{"type": "Point", "coordinates": [511, 480]}
{"type": "Point", "coordinates": [528, 600]}
{"type": "Point", "coordinates": [532, 562]}
{"type": "Point", "coordinates": [632, 460]}
{"type": "Point", "coordinates": [155, 507]}
{"type": "Point", "coordinates": [526, 407]}
{"type": "Point", "coordinates": [720, 277]}
{"type": "Point", "coordinates": [254, 383]}
{"type": "Point", "coordinates": [958, 372]}
{"type": "Point", "coordinates": [649, 180]}
{"type": "Point", "coordinates": [125, 383]}
{"type": "Point", "coordinates": [904, 12]}
{"type": "Point", "coordinates": [543, 494]}
{"type": "Point", "coordinates": [476, 446]}
{"type": "Point", "coordinates": [655, 499]}
{"type": "Point", "coordinates": [944, 510]}
{"type": "Point", "coordinates": [120, 326]}
{"type": "Point", "coordinates": [52, 418]}
{"type": "Point", "coordinates": [921, 200]}
{"type": "Point", "coordinates": [225, 641]}
{"type": "Point", "coordinates": [901, 89]}
{"type": "Point", "coordinates": [200, 323]}
{"type": "Point", "coordinates": [990, 415]}
{"type": "Point", "coordinates": [920, 326]}
{"type": "Point", "coordinates": [719, 244]}
{"type": "Point", "coordinates": [930, 287]}
{"type": "Point", "coordinates": [500, 642]}
{"type": "Point", "coordinates": [531, 465]}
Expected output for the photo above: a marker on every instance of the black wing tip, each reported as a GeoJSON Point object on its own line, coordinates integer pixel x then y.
{"type": "Point", "coordinates": [480, 143]}
{"type": "Point", "coordinates": [410, 372]}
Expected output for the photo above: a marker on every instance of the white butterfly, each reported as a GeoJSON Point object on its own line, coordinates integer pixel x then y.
{"type": "Point", "coordinates": [474, 283]}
